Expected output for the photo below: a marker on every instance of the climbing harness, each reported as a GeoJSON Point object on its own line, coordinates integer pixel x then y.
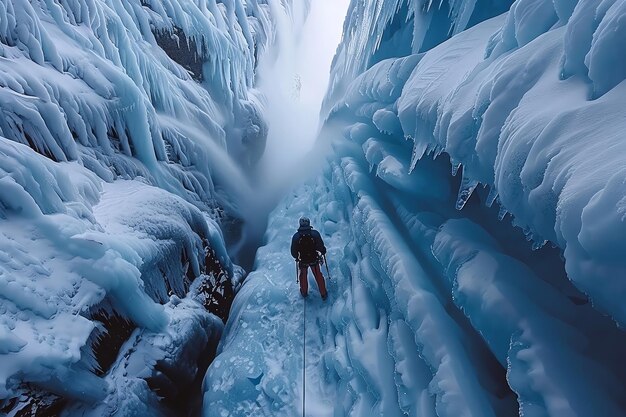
{"type": "Point", "coordinates": [303, 355]}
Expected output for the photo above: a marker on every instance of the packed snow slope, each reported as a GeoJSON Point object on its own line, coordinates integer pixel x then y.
{"type": "Point", "coordinates": [472, 199]}
{"type": "Point", "coordinates": [126, 132]}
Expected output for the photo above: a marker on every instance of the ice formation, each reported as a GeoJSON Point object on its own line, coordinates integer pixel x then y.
{"type": "Point", "coordinates": [472, 202]}
{"type": "Point", "coordinates": [468, 183]}
{"type": "Point", "coordinates": [127, 129]}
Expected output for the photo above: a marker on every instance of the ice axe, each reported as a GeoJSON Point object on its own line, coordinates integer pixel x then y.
{"type": "Point", "coordinates": [327, 270]}
{"type": "Point", "coordinates": [297, 273]}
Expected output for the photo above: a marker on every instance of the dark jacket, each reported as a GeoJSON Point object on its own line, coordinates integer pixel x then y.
{"type": "Point", "coordinates": [319, 243]}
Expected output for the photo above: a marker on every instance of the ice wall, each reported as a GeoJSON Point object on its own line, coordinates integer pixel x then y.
{"type": "Point", "coordinates": [126, 134]}
{"type": "Point", "coordinates": [380, 29]}
{"type": "Point", "coordinates": [513, 102]}
{"type": "Point", "coordinates": [472, 206]}
{"type": "Point", "coordinates": [516, 104]}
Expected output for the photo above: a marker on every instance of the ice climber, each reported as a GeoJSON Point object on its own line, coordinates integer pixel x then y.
{"type": "Point", "coordinates": [307, 248]}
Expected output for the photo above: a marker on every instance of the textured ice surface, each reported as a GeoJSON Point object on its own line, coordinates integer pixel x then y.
{"type": "Point", "coordinates": [379, 29]}
{"type": "Point", "coordinates": [512, 102]}
{"type": "Point", "coordinates": [114, 248]}
{"type": "Point", "coordinates": [259, 366]}
{"type": "Point", "coordinates": [445, 298]}
{"type": "Point", "coordinates": [126, 131]}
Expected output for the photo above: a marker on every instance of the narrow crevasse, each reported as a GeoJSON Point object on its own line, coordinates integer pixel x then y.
{"type": "Point", "coordinates": [468, 181]}
{"type": "Point", "coordinates": [469, 188]}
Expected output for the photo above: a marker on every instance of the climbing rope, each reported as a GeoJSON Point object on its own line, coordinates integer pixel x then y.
{"type": "Point", "coordinates": [303, 355]}
{"type": "Point", "coordinates": [303, 343]}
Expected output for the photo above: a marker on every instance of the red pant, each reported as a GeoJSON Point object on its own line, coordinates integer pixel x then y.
{"type": "Point", "coordinates": [319, 278]}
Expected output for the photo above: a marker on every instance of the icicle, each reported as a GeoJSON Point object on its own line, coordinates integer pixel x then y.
{"type": "Point", "coordinates": [418, 152]}
{"type": "Point", "coordinates": [465, 192]}
{"type": "Point", "coordinates": [493, 194]}
{"type": "Point", "coordinates": [502, 213]}
{"type": "Point", "coordinates": [538, 244]}
{"type": "Point", "coordinates": [528, 233]}
{"type": "Point", "coordinates": [455, 168]}
{"type": "Point", "coordinates": [438, 151]}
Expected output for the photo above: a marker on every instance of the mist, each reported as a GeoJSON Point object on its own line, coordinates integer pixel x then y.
{"type": "Point", "coordinates": [293, 84]}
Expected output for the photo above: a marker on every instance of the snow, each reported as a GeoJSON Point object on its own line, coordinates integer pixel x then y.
{"type": "Point", "coordinates": [58, 266]}
{"type": "Point", "coordinates": [259, 361]}
{"type": "Point", "coordinates": [153, 365]}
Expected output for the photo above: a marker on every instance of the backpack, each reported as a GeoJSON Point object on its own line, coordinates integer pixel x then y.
{"type": "Point", "coordinates": [307, 248]}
